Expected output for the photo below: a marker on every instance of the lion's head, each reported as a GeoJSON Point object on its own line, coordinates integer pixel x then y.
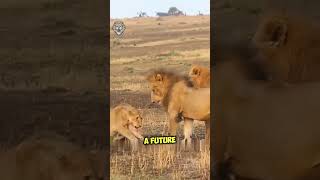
{"type": "Point", "coordinates": [160, 82]}
{"type": "Point", "coordinates": [130, 115]}
{"type": "Point", "coordinates": [55, 158]}
{"type": "Point", "coordinates": [200, 76]}
{"type": "Point", "coordinates": [288, 47]}
{"type": "Point", "coordinates": [272, 34]}
{"type": "Point", "coordinates": [76, 166]}
{"type": "Point", "coordinates": [134, 118]}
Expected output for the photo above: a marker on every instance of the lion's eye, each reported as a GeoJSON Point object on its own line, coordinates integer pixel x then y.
{"type": "Point", "coordinates": [137, 118]}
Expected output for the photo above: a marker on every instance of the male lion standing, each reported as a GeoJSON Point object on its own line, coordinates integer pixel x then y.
{"type": "Point", "coordinates": [180, 99]}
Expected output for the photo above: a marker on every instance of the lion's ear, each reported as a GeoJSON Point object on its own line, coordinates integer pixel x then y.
{"type": "Point", "coordinates": [279, 33]}
{"type": "Point", "coordinates": [196, 71]}
{"type": "Point", "coordinates": [274, 33]}
{"type": "Point", "coordinates": [158, 77]}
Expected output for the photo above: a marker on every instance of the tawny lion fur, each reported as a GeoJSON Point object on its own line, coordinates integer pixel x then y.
{"type": "Point", "coordinates": [50, 158]}
{"type": "Point", "coordinates": [200, 76]}
{"type": "Point", "coordinates": [289, 48]}
{"type": "Point", "coordinates": [181, 100]}
{"type": "Point", "coordinates": [265, 132]}
{"type": "Point", "coordinates": [125, 120]}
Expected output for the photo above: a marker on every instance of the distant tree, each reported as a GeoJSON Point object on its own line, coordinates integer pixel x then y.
{"type": "Point", "coordinates": [142, 14]}
{"type": "Point", "coordinates": [173, 11]}
{"type": "Point", "coordinates": [179, 13]}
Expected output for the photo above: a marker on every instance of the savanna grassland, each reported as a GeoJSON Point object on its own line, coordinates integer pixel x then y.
{"type": "Point", "coordinates": [174, 43]}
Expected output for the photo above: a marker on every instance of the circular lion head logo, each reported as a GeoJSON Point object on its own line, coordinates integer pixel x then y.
{"type": "Point", "coordinates": [118, 27]}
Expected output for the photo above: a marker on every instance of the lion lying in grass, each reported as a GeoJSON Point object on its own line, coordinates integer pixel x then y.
{"type": "Point", "coordinates": [200, 76]}
{"type": "Point", "coordinates": [288, 48]}
{"type": "Point", "coordinates": [125, 120]}
{"type": "Point", "coordinates": [50, 158]}
{"type": "Point", "coordinates": [180, 99]}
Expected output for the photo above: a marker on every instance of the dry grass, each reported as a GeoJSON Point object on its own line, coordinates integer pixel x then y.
{"type": "Point", "coordinates": [160, 162]}
{"type": "Point", "coordinates": [176, 43]}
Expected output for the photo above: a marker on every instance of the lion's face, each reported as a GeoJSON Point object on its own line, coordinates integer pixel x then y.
{"type": "Point", "coordinates": [157, 94]}
{"type": "Point", "coordinates": [53, 160]}
{"type": "Point", "coordinates": [158, 89]}
{"type": "Point", "coordinates": [76, 167]}
{"type": "Point", "coordinates": [134, 118]}
{"type": "Point", "coordinates": [79, 176]}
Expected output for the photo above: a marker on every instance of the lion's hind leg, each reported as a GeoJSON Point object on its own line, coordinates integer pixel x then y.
{"type": "Point", "coordinates": [187, 130]}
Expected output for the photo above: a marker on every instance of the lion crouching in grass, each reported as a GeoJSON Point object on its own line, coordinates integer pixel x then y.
{"type": "Point", "coordinates": [200, 76]}
{"type": "Point", "coordinates": [125, 120]}
{"type": "Point", "coordinates": [50, 158]}
{"type": "Point", "coordinates": [181, 100]}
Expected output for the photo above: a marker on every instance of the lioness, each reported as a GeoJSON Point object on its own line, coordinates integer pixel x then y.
{"type": "Point", "coordinates": [51, 158]}
{"type": "Point", "coordinates": [265, 132]}
{"type": "Point", "coordinates": [288, 48]}
{"type": "Point", "coordinates": [180, 99]}
{"type": "Point", "coordinates": [200, 76]}
{"type": "Point", "coordinates": [125, 120]}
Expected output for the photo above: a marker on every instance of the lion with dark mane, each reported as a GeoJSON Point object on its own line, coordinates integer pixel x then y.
{"type": "Point", "coordinates": [176, 93]}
